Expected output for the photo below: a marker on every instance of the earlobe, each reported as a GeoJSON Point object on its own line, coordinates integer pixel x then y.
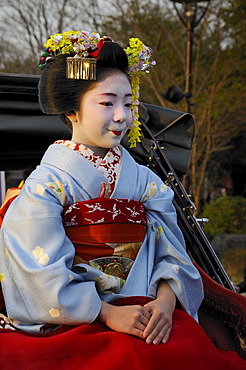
{"type": "Point", "coordinates": [72, 116]}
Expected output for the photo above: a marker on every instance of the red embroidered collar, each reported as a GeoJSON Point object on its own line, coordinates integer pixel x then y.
{"type": "Point", "coordinates": [109, 165]}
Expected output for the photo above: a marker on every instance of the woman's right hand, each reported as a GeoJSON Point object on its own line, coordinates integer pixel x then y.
{"type": "Point", "coordinates": [125, 319]}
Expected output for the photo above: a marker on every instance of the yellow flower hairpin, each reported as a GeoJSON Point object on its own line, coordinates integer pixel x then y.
{"type": "Point", "coordinates": [139, 62]}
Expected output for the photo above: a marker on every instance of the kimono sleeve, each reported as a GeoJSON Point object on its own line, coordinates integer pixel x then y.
{"type": "Point", "coordinates": [38, 282]}
{"type": "Point", "coordinates": [166, 244]}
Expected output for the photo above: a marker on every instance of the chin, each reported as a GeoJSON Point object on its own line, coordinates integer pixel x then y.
{"type": "Point", "coordinates": [115, 142]}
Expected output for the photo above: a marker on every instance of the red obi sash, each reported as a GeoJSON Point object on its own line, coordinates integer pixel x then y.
{"type": "Point", "coordinates": [97, 225]}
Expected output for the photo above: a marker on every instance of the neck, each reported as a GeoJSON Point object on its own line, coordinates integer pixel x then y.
{"type": "Point", "coordinates": [99, 151]}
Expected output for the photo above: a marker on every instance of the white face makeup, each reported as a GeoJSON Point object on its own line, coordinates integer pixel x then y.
{"type": "Point", "coordinates": [105, 114]}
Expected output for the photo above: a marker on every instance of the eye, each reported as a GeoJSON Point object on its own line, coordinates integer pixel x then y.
{"type": "Point", "coordinates": [128, 105]}
{"type": "Point", "coordinates": [106, 103]}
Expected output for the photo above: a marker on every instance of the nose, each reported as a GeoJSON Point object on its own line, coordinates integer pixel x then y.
{"type": "Point", "coordinates": [119, 114]}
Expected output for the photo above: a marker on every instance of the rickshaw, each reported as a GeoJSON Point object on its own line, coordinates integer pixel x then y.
{"type": "Point", "coordinates": [167, 136]}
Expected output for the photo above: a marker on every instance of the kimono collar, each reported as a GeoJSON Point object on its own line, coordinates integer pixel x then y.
{"type": "Point", "coordinates": [88, 153]}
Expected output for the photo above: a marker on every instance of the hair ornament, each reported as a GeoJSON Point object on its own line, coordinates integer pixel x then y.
{"type": "Point", "coordinates": [81, 43]}
{"type": "Point", "coordinates": [139, 60]}
{"type": "Point", "coordinates": [85, 47]}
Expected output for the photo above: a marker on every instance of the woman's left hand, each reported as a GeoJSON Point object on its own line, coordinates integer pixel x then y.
{"type": "Point", "coordinates": [161, 309]}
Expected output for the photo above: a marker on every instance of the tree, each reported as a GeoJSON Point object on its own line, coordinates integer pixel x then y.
{"type": "Point", "coordinates": [27, 24]}
{"type": "Point", "coordinates": [219, 90]}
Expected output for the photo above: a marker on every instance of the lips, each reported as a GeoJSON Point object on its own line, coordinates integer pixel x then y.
{"type": "Point", "coordinates": [117, 133]}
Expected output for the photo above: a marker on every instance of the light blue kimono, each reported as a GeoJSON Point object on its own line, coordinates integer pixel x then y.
{"type": "Point", "coordinates": [39, 282]}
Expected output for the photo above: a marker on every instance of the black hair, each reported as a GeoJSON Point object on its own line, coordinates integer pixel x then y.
{"type": "Point", "coordinates": [60, 95]}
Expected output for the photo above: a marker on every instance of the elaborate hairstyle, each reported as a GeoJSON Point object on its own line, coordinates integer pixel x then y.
{"type": "Point", "coordinates": [60, 93]}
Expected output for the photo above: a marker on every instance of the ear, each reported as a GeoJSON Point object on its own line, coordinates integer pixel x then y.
{"type": "Point", "coordinates": [72, 116]}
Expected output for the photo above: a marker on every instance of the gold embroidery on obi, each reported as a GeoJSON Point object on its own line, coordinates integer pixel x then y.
{"type": "Point", "coordinates": [127, 250]}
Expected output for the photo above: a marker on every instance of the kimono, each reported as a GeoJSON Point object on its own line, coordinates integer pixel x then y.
{"type": "Point", "coordinates": [38, 276]}
{"type": "Point", "coordinates": [47, 291]}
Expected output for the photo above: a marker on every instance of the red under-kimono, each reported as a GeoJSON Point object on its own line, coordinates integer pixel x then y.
{"type": "Point", "coordinates": [94, 346]}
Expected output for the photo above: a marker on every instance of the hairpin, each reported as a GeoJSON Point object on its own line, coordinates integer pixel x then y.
{"type": "Point", "coordinates": [82, 44]}
{"type": "Point", "coordinates": [139, 61]}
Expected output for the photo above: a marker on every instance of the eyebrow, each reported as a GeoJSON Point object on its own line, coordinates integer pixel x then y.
{"type": "Point", "coordinates": [112, 94]}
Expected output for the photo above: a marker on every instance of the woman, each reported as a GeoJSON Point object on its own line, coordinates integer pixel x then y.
{"type": "Point", "coordinates": [92, 240]}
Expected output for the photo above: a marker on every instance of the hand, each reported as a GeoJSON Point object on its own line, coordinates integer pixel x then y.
{"type": "Point", "coordinates": [125, 319]}
{"type": "Point", "coordinates": [161, 311]}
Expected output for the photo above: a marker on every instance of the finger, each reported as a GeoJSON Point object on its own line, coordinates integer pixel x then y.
{"type": "Point", "coordinates": [145, 320]}
{"type": "Point", "coordinates": [154, 326]}
{"type": "Point", "coordinates": [142, 321]}
{"type": "Point", "coordinates": [167, 335]}
{"type": "Point", "coordinates": [153, 321]}
{"type": "Point", "coordinates": [140, 326]}
{"type": "Point", "coordinates": [138, 333]}
{"type": "Point", "coordinates": [146, 313]}
{"type": "Point", "coordinates": [164, 333]}
{"type": "Point", "coordinates": [158, 335]}
{"type": "Point", "coordinates": [142, 316]}
{"type": "Point", "coordinates": [157, 329]}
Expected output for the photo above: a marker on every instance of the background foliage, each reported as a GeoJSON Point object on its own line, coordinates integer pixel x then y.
{"type": "Point", "coordinates": [227, 215]}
